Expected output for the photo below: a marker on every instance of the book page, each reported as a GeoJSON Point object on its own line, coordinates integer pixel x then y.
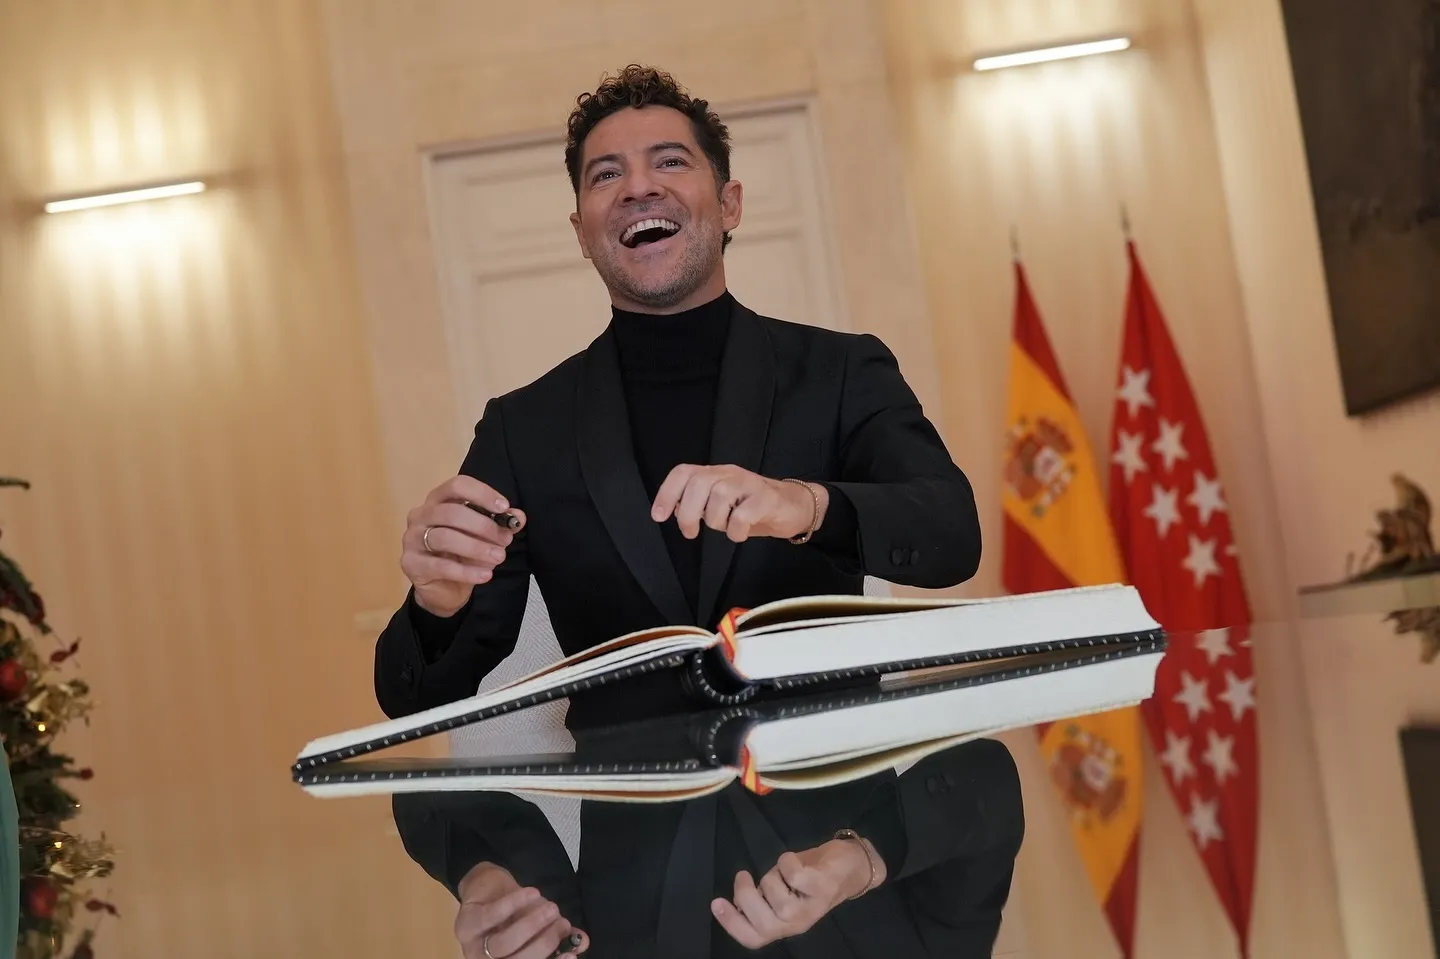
{"type": "Point", "coordinates": [807, 611]}
{"type": "Point", "coordinates": [849, 770]}
{"type": "Point", "coordinates": [803, 610]}
{"type": "Point", "coordinates": [619, 642]}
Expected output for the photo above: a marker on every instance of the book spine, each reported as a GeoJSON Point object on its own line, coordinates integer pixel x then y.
{"type": "Point", "coordinates": [708, 678]}
{"type": "Point", "coordinates": [720, 738]}
{"type": "Point", "coordinates": [499, 709]}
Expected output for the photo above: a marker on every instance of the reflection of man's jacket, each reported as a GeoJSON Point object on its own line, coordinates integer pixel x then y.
{"type": "Point", "coordinates": [949, 829]}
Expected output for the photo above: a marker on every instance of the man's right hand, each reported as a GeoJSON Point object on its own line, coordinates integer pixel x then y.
{"type": "Point", "coordinates": [464, 546]}
{"type": "Point", "coordinates": [498, 918]}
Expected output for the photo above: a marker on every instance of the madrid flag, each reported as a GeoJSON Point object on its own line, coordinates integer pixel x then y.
{"type": "Point", "coordinates": [1057, 535]}
{"type": "Point", "coordinates": [1171, 519]}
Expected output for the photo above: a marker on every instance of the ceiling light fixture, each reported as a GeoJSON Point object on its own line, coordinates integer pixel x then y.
{"type": "Point", "coordinates": [125, 196]}
{"type": "Point", "coordinates": [1070, 50]}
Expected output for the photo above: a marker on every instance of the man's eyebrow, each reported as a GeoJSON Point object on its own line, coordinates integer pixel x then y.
{"type": "Point", "coordinates": [660, 147]}
{"type": "Point", "coordinates": [671, 145]}
{"type": "Point", "coordinates": [593, 162]}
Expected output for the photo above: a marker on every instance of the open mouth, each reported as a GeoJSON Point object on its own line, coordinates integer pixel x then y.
{"type": "Point", "coordinates": [648, 231]}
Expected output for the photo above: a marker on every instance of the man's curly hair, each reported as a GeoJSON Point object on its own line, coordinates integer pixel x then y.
{"type": "Point", "coordinates": [640, 86]}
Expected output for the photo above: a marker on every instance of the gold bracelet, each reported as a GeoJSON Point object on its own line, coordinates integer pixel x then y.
{"type": "Point", "coordinates": [814, 517]}
{"type": "Point", "coordinates": [870, 860]}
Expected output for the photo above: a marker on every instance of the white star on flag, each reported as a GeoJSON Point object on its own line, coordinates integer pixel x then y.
{"type": "Point", "coordinates": [1239, 694]}
{"type": "Point", "coordinates": [1176, 757]}
{"type": "Point", "coordinates": [1169, 446]}
{"type": "Point", "coordinates": [1201, 559]}
{"type": "Point", "coordinates": [1194, 697]}
{"type": "Point", "coordinates": [1135, 391]}
{"type": "Point", "coordinates": [1128, 455]}
{"type": "Point", "coordinates": [1163, 509]}
{"type": "Point", "coordinates": [1207, 497]}
{"type": "Point", "coordinates": [1204, 821]}
{"type": "Point", "coordinates": [1219, 756]}
{"type": "Point", "coordinates": [1214, 643]}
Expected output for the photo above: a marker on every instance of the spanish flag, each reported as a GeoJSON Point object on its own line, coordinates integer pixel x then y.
{"type": "Point", "coordinates": [1057, 534]}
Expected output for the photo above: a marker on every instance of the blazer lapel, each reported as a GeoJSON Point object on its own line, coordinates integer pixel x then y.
{"type": "Point", "coordinates": [608, 465]}
{"type": "Point", "coordinates": [742, 422]}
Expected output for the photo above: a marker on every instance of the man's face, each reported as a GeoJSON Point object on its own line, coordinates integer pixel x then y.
{"type": "Point", "coordinates": [650, 215]}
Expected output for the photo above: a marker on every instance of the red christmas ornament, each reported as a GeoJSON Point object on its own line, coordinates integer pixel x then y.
{"type": "Point", "coordinates": [40, 897]}
{"type": "Point", "coordinates": [13, 679]}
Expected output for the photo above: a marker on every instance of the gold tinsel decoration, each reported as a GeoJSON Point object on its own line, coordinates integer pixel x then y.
{"type": "Point", "coordinates": [50, 705]}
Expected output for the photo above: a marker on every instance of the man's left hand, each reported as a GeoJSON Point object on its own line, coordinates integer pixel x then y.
{"type": "Point", "coordinates": [801, 889]}
{"type": "Point", "coordinates": [737, 502]}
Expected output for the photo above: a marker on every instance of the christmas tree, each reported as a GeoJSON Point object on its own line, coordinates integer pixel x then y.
{"type": "Point", "coordinates": [37, 701]}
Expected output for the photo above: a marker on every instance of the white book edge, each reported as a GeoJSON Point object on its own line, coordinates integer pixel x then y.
{"type": "Point", "coordinates": [1031, 619]}
{"type": "Point", "coordinates": [873, 727]}
{"type": "Point", "coordinates": [948, 718]}
{"type": "Point", "coordinates": [399, 730]}
{"type": "Point", "coordinates": [827, 644]}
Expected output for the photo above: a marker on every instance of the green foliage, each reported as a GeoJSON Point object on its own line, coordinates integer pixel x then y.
{"type": "Point", "coordinates": [37, 702]}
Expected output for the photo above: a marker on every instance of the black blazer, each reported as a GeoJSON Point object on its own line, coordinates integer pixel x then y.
{"type": "Point", "coordinates": [794, 401]}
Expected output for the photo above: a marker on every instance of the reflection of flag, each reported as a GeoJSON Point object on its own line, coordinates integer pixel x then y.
{"type": "Point", "coordinates": [1056, 536]}
{"type": "Point", "coordinates": [1174, 529]}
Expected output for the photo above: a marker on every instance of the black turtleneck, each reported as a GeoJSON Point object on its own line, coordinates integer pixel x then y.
{"type": "Point", "coordinates": [670, 367]}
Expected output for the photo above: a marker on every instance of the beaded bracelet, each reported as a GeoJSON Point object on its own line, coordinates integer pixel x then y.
{"type": "Point", "coordinates": [869, 859]}
{"type": "Point", "coordinates": [814, 517]}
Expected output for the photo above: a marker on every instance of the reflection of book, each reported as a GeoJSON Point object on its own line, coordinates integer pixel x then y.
{"type": "Point", "coordinates": [804, 643]}
{"type": "Point", "coordinates": [802, 742]}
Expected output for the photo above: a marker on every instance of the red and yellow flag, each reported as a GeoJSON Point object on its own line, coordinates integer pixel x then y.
{"type": "Point", "coordinates": [1057, 534]}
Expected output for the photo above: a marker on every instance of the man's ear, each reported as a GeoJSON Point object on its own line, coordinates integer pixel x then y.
{"type": "Point", "coordinates": [731, 197]}
{"type": "Point", "coordinates": [579, 235]}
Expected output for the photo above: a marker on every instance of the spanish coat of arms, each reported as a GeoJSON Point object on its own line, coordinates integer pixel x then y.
{"type": "Point", "coordinates": [1037, 462]}
{"type": "Point", "coordinates": [1086, 770]}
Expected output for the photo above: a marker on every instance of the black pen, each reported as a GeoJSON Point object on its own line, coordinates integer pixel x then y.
{"type": "Point", "coordinates": [568, 946]}
{"type": "Point", "coordinates": [506, 520]}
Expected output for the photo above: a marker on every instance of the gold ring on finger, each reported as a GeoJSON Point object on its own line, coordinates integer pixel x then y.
{"type": "Point", "coordinates": [485, 946]}
{"type": "Point", "coordinates": [425, 541]}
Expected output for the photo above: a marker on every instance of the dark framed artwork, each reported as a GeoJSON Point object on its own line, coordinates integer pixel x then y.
{"type": "Point", "coordinates": [1420, 749]}
{"type": "Point", "coordinates": [1367, 78]}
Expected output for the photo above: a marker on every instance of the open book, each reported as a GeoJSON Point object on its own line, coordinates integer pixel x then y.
{"type": "Point", "coordinates": [795, 644]}
{"type": "Point", "coordinates": [806, 742]}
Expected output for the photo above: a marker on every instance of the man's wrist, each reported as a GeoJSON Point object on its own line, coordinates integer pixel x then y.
{"type": "Point", "coordinates": [437, 612]}
{"type": "Point", "coordinates": [863, 868]}
{"type": "Point", "coordinates": [812, 501]}
{"type": "Point", "coordinates": [479, 875]}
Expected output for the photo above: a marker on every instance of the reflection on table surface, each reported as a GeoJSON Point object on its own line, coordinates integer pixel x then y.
{"type": "Point", "coordinates": [917, 863]}
{"type": "Point", "coordinates": [877, 819]}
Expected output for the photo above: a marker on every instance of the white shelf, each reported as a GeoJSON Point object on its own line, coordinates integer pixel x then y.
{"type": "Point", "coordinates": [1379, 596]}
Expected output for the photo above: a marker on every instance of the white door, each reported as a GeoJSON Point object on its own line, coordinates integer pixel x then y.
{"type": "Point", "coordinates": [518, 296]}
